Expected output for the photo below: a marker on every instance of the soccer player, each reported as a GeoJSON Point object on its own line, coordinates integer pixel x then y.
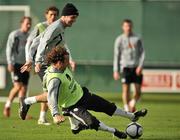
{"type": "Point", "coordinates": [129, 56]}
{"type": "Point", "coordinates": [15, 53]}
{"type": "Point", "coordinates": [64, 91]}
{"type": "Point", "coordinates": [51, 15]}
{"type": "Point", "coordinates": [53, 35]}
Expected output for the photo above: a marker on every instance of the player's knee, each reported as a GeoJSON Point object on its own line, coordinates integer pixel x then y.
{"type": "Point", "coordinates": [93, 123]}
{"type": "Point", "coordinates": [17, 87]}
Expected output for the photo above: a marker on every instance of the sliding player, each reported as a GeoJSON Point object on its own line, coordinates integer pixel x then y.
{"type": "Point", "coordinates": [15, 53]}
{"type": "Point", "coordinates": [129, 55]}
{"type": "Point", "coordinates": [64, 91]}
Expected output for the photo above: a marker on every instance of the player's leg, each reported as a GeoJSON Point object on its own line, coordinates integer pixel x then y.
{"type": "Point", "coordinates": [42, 98]}
{"type": "Point", "coordinates": [126, 81]}
{"type": "Point", "coordinates": [25, 105]}
{"type": "Point", "coordinates": [16, 79]}
{"type": "Point", "coordinates": [137, 80]}
{"type": "Point", "coordinates": [76, 126]}
{"type": "Point", "coordinates": [88, 121]}
{"type": "Point", "coordinates": [136, 97]}
{"type": "Point", "coordinates": [42, 116]}
{"type": "Point", "coordinates": [98, 104]}
{"type": "Point", "coordinates": [126, 95]}
{"type": "Point", "coordinates": [12, 95]}
{"type": "Point", "coordinates": [24, 79]}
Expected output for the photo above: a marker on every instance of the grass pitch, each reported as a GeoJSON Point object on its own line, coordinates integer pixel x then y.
{"type": "Point", "coordinates": [161, 123]}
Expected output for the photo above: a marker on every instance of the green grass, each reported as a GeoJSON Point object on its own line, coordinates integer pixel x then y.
{"type": "Point", "coordinates": [161, 123]}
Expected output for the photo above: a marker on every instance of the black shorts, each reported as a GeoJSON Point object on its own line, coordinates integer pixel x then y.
{"type": "Point", "coordinates": [129, 76]}
{"type": "Point", "coordinates": [90, 102]}
{"type": "Point", "coordinates": [41, 73]}
{"type": "Point", "coordinates": [17, 76]}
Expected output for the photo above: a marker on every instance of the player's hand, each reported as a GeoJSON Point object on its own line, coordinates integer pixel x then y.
{"type": "Point", "coordinates": [10, 67]}
{"type": "Point", "coordinates": [37, 67]}
{"type": "Point", "coordinates": [72, 64]}
{"type": "Point", "coordinates": [138, 70]}
{"type": "Point", "coordinates": [116, 75]}
{"type": "Point", "coordinates": [26, 67]}
{"type": "Point", "coordinates": [58, 119]}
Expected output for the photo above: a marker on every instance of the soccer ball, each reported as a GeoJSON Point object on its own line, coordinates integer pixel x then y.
{"type": "Point", "coordinates": [134, 130]}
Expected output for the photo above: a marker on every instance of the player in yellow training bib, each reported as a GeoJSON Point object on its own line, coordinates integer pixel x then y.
{"type": "Point", "coordinates": [65, 92]}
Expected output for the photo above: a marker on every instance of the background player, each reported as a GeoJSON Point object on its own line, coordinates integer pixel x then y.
{"type": "Point", "coordinates": [64, 90]}
{"type": "Point", "coordinates": [53, 35]}
{"type": "Point", "coordinates": [128, 58]}
{"type": "Point", "coordinates": [15, 53]}
{"type": "Point", "coordinates": [51, 15]}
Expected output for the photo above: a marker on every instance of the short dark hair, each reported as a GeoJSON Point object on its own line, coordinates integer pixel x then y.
{"type": "Point", "coordinates": [25, 17]}
{"type": "Point", "coordinates": [52, 8]}
{"type": "Point", "coordinates": [56, 54]}
{"type": "Point", "coordinates": [127, 21]}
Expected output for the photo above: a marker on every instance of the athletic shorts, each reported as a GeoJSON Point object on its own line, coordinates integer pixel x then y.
{"type": "Point", "coordinates": [17, 76]}
{"type": "Point", "coordinates": [89, 102]}
{"type": "Point", "coordinates": [41, 73]}
{"type": "Point", "coordinates": [129, 76]}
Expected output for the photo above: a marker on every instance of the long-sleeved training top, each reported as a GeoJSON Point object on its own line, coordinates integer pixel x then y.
{"type": "Point", "coordinates": [53, 36]}
{"type": "Point", "coordinates": [34, 39]}
{"type": "Point", "coordinates": [128, 52]}
{"type": "Point", "coordinates": [53, 90]}
{"type": "Point", "coordinates": [15, 49]}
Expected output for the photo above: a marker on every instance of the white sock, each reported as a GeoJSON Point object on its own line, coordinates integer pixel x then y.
{"type": "Point", "coordinates": [120, 112]}
{"type": "Point", "coordinates": [30, 100]}
{"type": "Point", "coordinates": [42, 115]}
{"type": "Point", "coordinates": [8, 104]}
{"type": "Point", "coordinates": [104, 127]}
{"type": "Point", "coordinates": [126, 107]}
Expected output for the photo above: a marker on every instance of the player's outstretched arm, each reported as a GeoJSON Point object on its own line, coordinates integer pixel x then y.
{"type": "Point", "coordinates": [53, 94]}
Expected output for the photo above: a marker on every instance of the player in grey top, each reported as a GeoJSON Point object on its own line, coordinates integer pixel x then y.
{"type": "Point", "coordinates": [33, 40]}
{"type": "Point", "coordinates": [15, 52]}
{"type": "Point", "coordinates": [38, 29]}
{"type": "Point", "coordinates": [128, 59]}
{"type": "Point", "coordinates": [51, 15]}
{"type": "Point", "coordinates": [53, 36]}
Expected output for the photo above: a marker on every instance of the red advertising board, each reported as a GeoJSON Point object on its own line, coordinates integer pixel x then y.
{"type": "Point", "coordinates": [161, 81]}
{"type": "Point", "coordinates": [178, 80]}
{"type": "Point", "coordinates": [157, 80]}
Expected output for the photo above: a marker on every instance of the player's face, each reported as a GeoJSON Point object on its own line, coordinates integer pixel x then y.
{"type": "Point", "coordinates": [51, 16]}
{"type": "Point", "coordinates": [26, 25]}
{"type": "Point", "coordinates": [127, 28]}
{"type": "Point", "coordinates": [69, 20]}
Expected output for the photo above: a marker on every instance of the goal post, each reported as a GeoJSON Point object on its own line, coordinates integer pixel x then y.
{"type": "Point", "coordinates": [15, 8]}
